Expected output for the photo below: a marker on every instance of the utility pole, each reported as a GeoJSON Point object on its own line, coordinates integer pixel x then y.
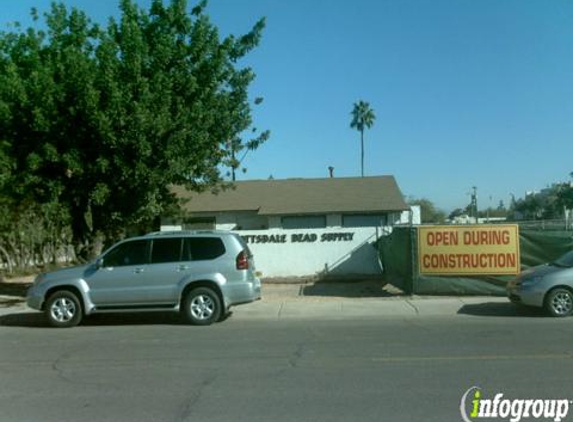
{"type": "Point", "coordinates": [474, 203]}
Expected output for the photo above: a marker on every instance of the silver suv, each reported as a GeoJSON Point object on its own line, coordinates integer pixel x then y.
{"type": "Point", "coordinates": [200, 273]}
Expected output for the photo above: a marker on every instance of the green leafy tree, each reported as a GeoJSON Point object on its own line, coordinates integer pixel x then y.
{"type": "Point", "coordinates": [429, 212]}
{"type": "Point", "coordinates": [239, 149]}
{"type": "Point", "coordinates": [565, 194]}
{"type": "Point", "coordinates": [530, 207]}
{"type": "Point", "coordinates": [362, 118]}
{"type": "Point", "coordinates": [103, 120]}
{"type": "Point", "coordinates": [458, 212]}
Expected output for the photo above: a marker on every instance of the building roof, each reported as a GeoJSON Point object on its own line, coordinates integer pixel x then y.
{"type": "Point", "coordinates": [302, 196]}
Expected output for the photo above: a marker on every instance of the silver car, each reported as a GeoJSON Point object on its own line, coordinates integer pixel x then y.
{"type": "Point", "coordinates": [200, 274]}
{"type": "Point", "coordinates": [549, 286]}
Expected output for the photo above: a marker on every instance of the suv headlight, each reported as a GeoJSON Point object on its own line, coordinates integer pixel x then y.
{"type": "Point", "coordinates": [532, 280]}
{"type": "Point", "coordinates": [39, 278]}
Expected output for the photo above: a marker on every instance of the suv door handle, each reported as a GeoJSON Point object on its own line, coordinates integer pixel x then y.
{"type": "Point", "coordinates": [182, 268]}
{"type": "Point", "coordinates": [138, 270]}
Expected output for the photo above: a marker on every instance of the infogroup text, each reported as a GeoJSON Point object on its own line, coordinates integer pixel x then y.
{"type": "Point", "coordinates": [474, 406]}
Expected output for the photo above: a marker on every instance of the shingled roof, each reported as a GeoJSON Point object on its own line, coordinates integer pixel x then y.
{"type": "Point", "coordinates": [302, 196]}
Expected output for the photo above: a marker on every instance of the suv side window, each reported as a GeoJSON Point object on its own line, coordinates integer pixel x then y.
{"type": "Point", "coordinates": [135, 252]}
{"type": "Point", "coordinates": [166, 250]}
{"type": "Point", "coordinates": [202, 248]}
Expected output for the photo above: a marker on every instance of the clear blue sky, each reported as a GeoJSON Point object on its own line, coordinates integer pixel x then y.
{"type": "Point", "coordinates": [466, 92]}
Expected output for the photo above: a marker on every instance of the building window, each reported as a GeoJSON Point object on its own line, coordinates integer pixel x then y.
{"type": "Point", "coordinates": [304, 222]}
{"type": "Point", "coordinates": [364, 220]}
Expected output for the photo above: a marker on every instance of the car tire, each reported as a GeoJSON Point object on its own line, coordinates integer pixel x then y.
{"type": "Point", "coordinates": [201, 306]}
{"type": "Point", "coordinates": [63, 309]}
{"type": "Point", "coordinates": [559, 302]}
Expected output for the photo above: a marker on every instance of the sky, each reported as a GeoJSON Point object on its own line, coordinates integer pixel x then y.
{"type": "Point", "coordinates": [465, 92]}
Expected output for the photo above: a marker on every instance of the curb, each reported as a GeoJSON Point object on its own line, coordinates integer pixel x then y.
{"type": "Point", "coordinates": [343, 309]}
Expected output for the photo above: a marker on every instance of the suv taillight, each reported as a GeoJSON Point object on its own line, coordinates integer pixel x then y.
{"type": "Point", "coordinates": [242, 261]}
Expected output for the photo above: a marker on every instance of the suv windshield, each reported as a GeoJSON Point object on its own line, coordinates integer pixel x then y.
{"type": "Point", "coordinates": [565, 261]}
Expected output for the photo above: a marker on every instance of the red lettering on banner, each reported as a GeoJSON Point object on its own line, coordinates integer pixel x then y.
{"type": "Point", "coordinates": [487, 237]}
{"type": "Point", "coordinates": [489, 260]}
{"type": "Point", "coordinates": [446, 238]}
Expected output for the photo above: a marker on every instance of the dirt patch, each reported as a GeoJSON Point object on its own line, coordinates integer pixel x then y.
{"type": "Point", "coordinates": [331, 289]}
{"type": "Point", "coordinates": [356, 289]}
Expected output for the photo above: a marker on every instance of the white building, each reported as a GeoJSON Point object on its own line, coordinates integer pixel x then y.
{"type": "Point", "coordinates": [303, 227]}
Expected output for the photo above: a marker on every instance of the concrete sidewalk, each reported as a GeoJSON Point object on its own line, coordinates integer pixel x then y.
{"type": "Point", "coordinates": [338, 302]}
{"type": "Point", "coordinates": [347, 308]}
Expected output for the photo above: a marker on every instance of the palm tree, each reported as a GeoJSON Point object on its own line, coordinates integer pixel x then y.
{"type": "Point", "coordinates": [362, 117]}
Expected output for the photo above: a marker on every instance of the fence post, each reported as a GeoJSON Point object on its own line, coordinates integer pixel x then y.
{"type": "Point", "coordinates": [411, 284]}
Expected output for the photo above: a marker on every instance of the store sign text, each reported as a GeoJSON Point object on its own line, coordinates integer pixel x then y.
{"type": "Point", "coordinates": [298, 238]}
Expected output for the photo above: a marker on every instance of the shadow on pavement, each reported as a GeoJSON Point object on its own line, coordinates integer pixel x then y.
{"type": "Point", "coordinates": [23, 319]}
{"type": "Point", "coordinates": [352, 289]}
{"type": "Point", "coordinates": [496, 309]}
{"type": "Point", "coordinates": [37, 319]}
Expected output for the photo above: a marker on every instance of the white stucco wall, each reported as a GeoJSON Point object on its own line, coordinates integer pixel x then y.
{"type": "Point", "coordinates": [335, 252]}
{"type": "Point", "coordinates": [413, 216]}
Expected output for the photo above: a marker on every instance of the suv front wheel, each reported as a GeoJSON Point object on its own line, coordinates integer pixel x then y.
{"type": "Point", "coordinates": [202, 306]}
{"type": "Point", "coordinates": [63, 309]}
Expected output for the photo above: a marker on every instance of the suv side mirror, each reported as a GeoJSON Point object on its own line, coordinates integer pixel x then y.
{"type": "Point", "coordinates": [99, 263]}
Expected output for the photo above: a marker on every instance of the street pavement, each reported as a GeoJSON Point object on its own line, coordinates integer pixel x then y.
{"type": "Point", "coordinates": [155, 369]}
{"type": "Point", "coordinates": [304, 353]}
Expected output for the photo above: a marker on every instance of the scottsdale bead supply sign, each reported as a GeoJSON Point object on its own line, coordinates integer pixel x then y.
{"type": "Point", "coordinates": [469, 250]}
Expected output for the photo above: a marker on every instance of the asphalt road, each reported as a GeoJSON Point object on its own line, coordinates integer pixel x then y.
{"type": "Point", "coordinates": [384, 369]}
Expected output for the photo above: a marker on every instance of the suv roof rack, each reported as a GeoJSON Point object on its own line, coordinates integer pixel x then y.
{"type": "Point", "coordinates": [185, 232]}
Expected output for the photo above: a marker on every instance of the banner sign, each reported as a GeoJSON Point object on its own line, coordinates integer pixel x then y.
{"type": "Point", "coordinates": [469, 250]}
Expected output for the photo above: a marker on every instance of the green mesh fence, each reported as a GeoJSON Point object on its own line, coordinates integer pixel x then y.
{"type": "Point", "coordinates": [398, 253]}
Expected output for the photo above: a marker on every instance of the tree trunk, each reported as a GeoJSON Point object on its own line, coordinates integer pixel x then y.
{"type": "Point", "coordinates": [81, 232]}
{"type": "Point", "coordinates": [362, 152]}
{"type": "Point", "coordinates": [8, 259]}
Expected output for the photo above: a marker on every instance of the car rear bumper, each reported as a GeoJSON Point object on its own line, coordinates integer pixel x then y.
{"type": "Point", "coordinates": [241, 292]}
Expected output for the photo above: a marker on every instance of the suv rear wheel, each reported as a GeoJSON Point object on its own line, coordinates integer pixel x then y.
{"type": "Point", "coordinates": [202, 306]}
{"type": "Point", "coordinates": [63, 309]}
